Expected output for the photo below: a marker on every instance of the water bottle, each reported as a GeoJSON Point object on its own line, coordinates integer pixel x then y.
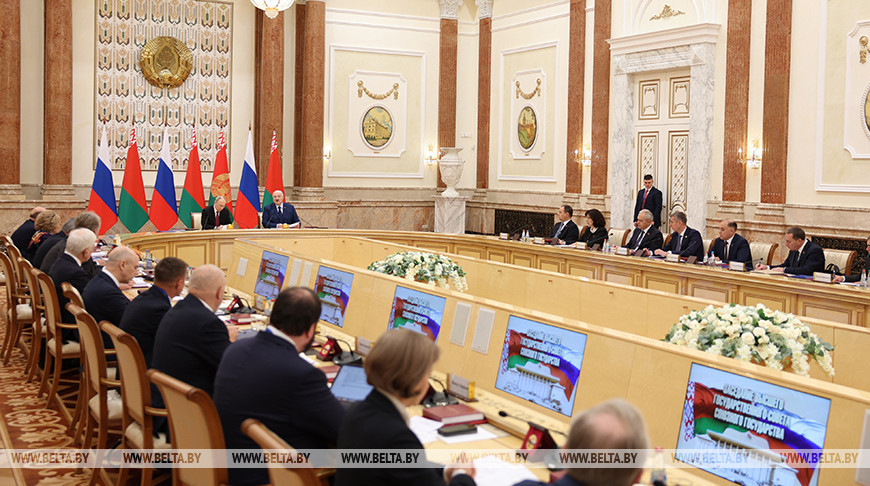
{"type": "Point", "coordinates": [864, 279]}
{"type": "Point", "coordinates": [707, 260]}
{"type": "Point", "coordinates": [658, 476]}
{"type": "Point", "coordinates": [149, 263]}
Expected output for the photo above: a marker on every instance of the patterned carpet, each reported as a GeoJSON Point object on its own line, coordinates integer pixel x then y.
{"type": "Point", "coordinates": [27, 424]}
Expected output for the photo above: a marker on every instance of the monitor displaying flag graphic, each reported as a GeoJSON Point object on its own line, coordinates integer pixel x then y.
{"type": "Point", "coordinates": [192, 197]}
{"type": "Point", "coordinates": [102, 200]}
{"type": "Point", "coordinates": [248, 202]}
{"type": "Point", "coordinates": [132, 208]}
{"type": "Point", "coordinates": [164, 212]}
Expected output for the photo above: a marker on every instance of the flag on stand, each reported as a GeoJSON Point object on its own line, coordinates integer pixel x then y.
{"type": "Point", "coordinates": [248, 204]}
{"type": "Point", "coordinates": [274, 179]}
{"type": "Point", "coordinates": [132, 209]}
{"type": "Point", "coordinates": [192, 198]}
{"type": "Point", "coordinates": [220, 179]}
{"type": "Point", "coordinates": [164, 212]}
{"type": "Point", "coordinates": [102, 200]}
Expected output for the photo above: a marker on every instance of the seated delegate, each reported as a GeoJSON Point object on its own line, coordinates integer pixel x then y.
{"type": "Point", "coordinates": [856, 277]}
{"type": "Point", "coordinates": [565, 232]}
{"type": "Point", "coordinates": [645, 238]}
{"type": "Point", "coordinates": [684, 241]}
{"type": "Point", "coordinates": [804, 256]}
{"type": "Point", "coordinates": [596, 233]}
{"type": "Point", "coordinates": [280, 213]}
{"type": "Point", "coordinates": [398, 367]}
{"type": "Point", "coordinates": [730, 246]}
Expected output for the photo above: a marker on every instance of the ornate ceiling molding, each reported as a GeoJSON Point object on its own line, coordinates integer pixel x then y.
{"type": "Point", "coordinates": [450, 8]}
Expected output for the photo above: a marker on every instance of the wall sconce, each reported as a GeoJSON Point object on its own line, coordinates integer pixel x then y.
{"type": "Point", "coordinates": [327, 154]}
{"type": "Point", "coordinates": [586, 159]}
{"type": "Point", "coordinates": [431, 158]}
{"type": "Point", "coordinates": [754, 159]}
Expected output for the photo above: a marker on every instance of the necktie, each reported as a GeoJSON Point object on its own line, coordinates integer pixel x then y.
{"type": "Point", "coordinates": [217, 219]}
{"type": "Point", "coordinates": [645, 194]}
{"type": "Point", "coordinates": [280, 210]}
{"type": "Point", "coordinates": [727, 246]}
{"type": "Point", "coordinates": [679, 243]}
{"type": "Point", "coordinates": [797, 260]}
{"type": "Point", "coordinates": [639, 240]}
{"type": "Point", "coordinates": [559, 231]}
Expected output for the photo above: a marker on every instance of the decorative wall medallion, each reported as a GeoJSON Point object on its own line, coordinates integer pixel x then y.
{"type": "Point", "coordinates": [530, 95]}
{"type": "Point", "coordinates": [856, 92]}
{"type": "Point", "coordinates": [648, 94]}
{"type": "Point", "coordinates": [376, 127]}
{"type": "Point", "coordinates": [680, 90]}
{"type": "Point", "coordinates": [863, 50]}
{"type": "Point", "coordinates": [166, 62]}
{"type": "Point", "coordinates": [527, 128]}
{"type": "Point", "coordinates": [667, 12]}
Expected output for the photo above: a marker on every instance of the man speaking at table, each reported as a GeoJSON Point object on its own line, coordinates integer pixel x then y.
{"type": "Point", "coordinates": [280, 213]}
{"type": "Point", "coordinates": [216, 216]}
{"type": "Point", "coordinates": [804, 256]}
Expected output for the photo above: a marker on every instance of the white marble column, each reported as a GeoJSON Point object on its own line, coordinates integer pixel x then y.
{"type": "Point", "coordinates": [450, 214]}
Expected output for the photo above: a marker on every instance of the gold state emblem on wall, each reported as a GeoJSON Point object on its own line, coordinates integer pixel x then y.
{"type": "Point", "coordinates": [166, 62]}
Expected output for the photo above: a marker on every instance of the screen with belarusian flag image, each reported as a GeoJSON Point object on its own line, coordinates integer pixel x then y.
{"type": "Point", "coordinates": [771, 434]}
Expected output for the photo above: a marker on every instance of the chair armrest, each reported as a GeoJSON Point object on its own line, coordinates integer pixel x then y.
{"type": "Point", "coordinates": [110, 352]}
{"type": "Point", "coordinates": [157, 412]}
{"type": "Point", "coordinates": [110, 382]}
{"type": "Point", "coordinates": [64, 325]}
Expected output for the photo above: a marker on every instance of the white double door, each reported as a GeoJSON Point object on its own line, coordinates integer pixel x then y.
{"type": "Point", "coordinates": [662, 136]}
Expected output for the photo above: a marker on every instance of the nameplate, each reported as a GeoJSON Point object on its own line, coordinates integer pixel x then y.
{"type": "Point", "coordinates": [502, 236]}
{"type": "Point", "coordinates": [823, 277]}
{"type": "Point", "coordinates": [622, 250]}
{"type": "Point", "coordinates": [673, 257]}
{"type": "Point", "coordinates": [737, 266]}
{"type": "Point", "coordinates": [460, 387]}
{"type": "Point", "coordinates": [581, 245]}
{"type": "Point", "coordinates": [363, 346]}
{"type": "Point", "coordinates": [538, 240]}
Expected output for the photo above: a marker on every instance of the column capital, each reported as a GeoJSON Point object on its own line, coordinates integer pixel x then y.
{"type": "Point", "coordinates": [449, 8]}
{"type": "Point", "coordinates": [484, 8]}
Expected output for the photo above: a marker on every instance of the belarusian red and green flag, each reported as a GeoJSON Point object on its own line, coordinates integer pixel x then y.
{"type": "Point", "coordinates": [274, 179]}
{"type": "Point", "coordinates": [192, 197]}
{"type": "Point", "coordinates": [220, 181]}
{"type": "Point", "coordinates": [132, 208]}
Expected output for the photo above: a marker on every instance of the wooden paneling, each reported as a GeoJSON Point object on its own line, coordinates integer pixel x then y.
{"type": "Point", "coordinates": [195, 254]}
{"type": "Point", "coordinates": [470, 251]}
{"type": "Point", "coordinates": [523, 260]}
{"type": "Point", "coordinates": [551, 264]}
{"type": "Point", "coordinates": [709, 291]}
{"type": "Point", "coordinates": [497, 255]}
{"type": "Point", "coordinates": [583, 270]}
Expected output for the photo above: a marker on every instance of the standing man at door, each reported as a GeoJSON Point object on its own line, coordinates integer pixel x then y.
{"type": "Point", "coordinates": [649, 198]}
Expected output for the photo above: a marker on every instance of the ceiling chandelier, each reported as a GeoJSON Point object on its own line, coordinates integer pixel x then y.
{"type": "Point", "coordinates": [272, 7]}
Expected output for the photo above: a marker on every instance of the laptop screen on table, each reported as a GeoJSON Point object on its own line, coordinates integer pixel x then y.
{"type": "Point", "coordinates": [350, 384]}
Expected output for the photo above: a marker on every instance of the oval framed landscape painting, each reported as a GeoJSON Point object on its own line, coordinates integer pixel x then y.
{"type": "Point", "coordinates": [527, 128]}
{"type": "Point", "coordinates": [376, 127]}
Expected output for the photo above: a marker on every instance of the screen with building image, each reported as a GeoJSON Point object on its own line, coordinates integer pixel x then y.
{"type": "Point", "coordinates": [751, 432]}
{"type": "Point", "coordinates": [270, 277]}
{"type": "Point", "coordinates": [417, 311]}
{"type": "Point", "coordinates": [333, 288]}
{"type": "Point", "coordinates": [541, 363]}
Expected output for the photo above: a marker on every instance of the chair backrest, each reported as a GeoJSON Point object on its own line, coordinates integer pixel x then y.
{"type": "Point", "coordinates": [196, 219]}
{"type": "Point", "coordinates": [278, 474]}
{"type": "Point", "coordinates": [23, 268]}
{"type": "Point", "coordinates": [843, 259]}
{"type": "Point", "coordinates": [50, 302]}
{"type": "Point", "coordinates": [11, 281]}
{"type": "Point", "coordinates": [72, 294]}
{"type": "Point", "coordinates": [36, 302]}
{"type": "Point", "coordinates": [763, 252]}
{"type": "Point", "coordinates": [134, 384]}
{"type": "Point", "coordinates": [194, 423]}
{"type": "Point", "coordinates": [708, 244]}
{"type": "Point", "coordinates": [14, 254]}
{"type": "Point", "coordinates": [618, 236]}
{"type": "Point", "coordinates": [92, 346]}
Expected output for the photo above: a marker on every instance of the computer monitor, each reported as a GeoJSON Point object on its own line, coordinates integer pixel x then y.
{"type": "Point", "coordinates": [541, 363]}
{"type": "Point", "coordinates": [417, 311]}
{"type": "Point", "coordinates": [749, 431]}
{"type": "Point", "coordinates": [333, 288]}
{"type": "Point", "coordinates": [270, 277]}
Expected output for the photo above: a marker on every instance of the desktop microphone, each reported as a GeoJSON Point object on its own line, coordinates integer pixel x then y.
{"type": "Point", "coordinates": [303, 220]}
{"type": "Point", "coordinates": [346, 357]}
{"type": "Point", "coordinates": [438, 399]}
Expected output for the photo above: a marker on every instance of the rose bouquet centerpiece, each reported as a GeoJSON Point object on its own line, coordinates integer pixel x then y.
{"type": "Point", "coordinates": [423, 267]}
{"type": "Point", "coordinates": [754, 334]}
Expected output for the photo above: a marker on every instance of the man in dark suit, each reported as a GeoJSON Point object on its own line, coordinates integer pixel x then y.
{"type": "Point", "coordinates": [856, 277]}
{"type": "Point", "coordinates": [731, 247]}
{"type": "Point", "coordinates": [103, 297]}
{"type": "Point", "coordinates": [285, 392]}
{"type": "Point", "coordinates": [649, 198]}
{"type": "Point", "coordinates": [280, 213]}
{"type": "Point", "coordinates": [216, 216]}
{"type": "Point", "coordinates": [646, 238]}
{"type": "Point", "coordinates": [21, 236]}
{"type": "Point", "coordinates": [565, 232]}
{"type": "Point", "coordinates": [89, 220]}
{"type": "Point", "coordinates": [68, 268]}
{"type": "Point", "coordinates": [143, 315]}
{"type": "Point", "coordinates": [804, 256]}
{"type": "Point", "coordinates": [191, 339]}
{"type": "Point", "coordinates": [685, 241]}
{"type": "Point", "coordinates": [614, 424]}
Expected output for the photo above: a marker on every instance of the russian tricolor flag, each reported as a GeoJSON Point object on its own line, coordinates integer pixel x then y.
{"type": "Point", "coordinates": [164, 212]}
{"type": "Point", "coordinates": [102, 200]}
{"type": "Point", "coordinates": [248, 201]}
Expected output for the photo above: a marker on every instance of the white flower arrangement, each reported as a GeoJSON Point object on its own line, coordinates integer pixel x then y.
{"type": "Point", "coordinates": [423, 267]}
{"type": "Point", "coordinates": [753, 334]}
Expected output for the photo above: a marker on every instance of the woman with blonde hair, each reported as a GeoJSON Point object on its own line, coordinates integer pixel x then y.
{"type": "Point", "coordinates": [46, 224]}
{"type": "Point", "coordinates": [398, 367]}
